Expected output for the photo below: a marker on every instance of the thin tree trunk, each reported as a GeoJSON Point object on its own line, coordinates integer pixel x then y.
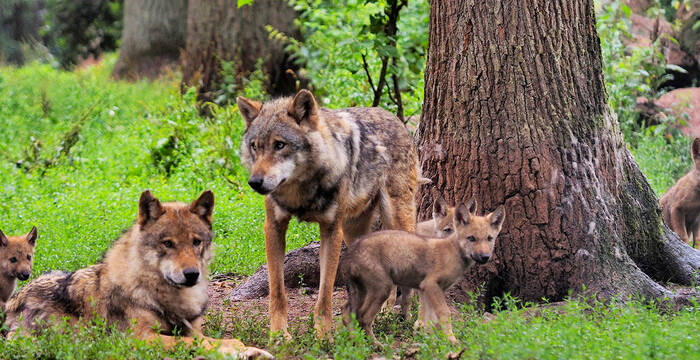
{"type": "Point", "coordinates": [515, 113]}
{"type": "Point", "coordinates": [220, 31]}
{"type": "Point", "coordinates": [153, 37]}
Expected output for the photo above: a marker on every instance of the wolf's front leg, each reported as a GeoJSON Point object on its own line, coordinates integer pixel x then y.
{"type": "Point", "coordinates": [331, 240]}
{"type": "Point", "coordinates": [275, 243]}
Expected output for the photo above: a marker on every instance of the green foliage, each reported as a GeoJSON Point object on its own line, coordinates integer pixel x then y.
{"type": "Point", "coordinates": [659, 147]}
{"type": "Point", "coordinates": [629, 73]}
{"type": "Point", "coordinates": [20, 22]}
{"type": "Point", "coordinates": [89, 197]}
{"type": "Point", "coordinates": [338, 34]}
{"type": "Point", "coordinates": [94, 340]}
{"type": "Point", "coordinates": [82, 28]}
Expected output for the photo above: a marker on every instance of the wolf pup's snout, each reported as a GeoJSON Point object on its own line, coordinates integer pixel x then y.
{"type": "Point", "coordinates": [24, 275]}
{"type": "Point", "coordinates": [481, 258]}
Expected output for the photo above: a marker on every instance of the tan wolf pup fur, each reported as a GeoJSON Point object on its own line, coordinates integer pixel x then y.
{"type": "Point", "coordinates": [16, 254]}
{"type": "Point", "coordinates": [378, 261]}
{"type": "Point", "coordinates": [442, 223]}
{"type": "Point", "coordinates": [681, 203]}
{"type": "Point", "coordinates": [334, 167]}
{"type": "Point", "coordinates": [155, 274]}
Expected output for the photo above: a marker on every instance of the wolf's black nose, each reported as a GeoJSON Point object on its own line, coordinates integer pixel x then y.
{"type": "Point", "coordinates": [191, 276]}
{"type": "Point", "coordinates": [483, 259]}
{"type": "Point", "coordinates": [24, 275]}
{"type": "Point", "coordinates": [256, 182]}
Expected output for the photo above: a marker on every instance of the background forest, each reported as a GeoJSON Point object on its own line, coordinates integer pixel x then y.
{"type": "Point", "coordinates": [102, 99]}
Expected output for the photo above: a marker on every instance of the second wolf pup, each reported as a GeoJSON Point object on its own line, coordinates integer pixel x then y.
{"type": "Point", "coordinates": [16, 254]}
{"type": "Point", "coordinates": [442, 223]}
{"type": "Point", "coordinates": [681, 203]}
{"type": "Point", "coordinates": [376, 262]}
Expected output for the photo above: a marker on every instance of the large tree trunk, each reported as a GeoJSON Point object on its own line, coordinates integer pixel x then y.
{"type": "Point", "coordinates": [220, 31]}
{"type": "Point", "coordinates": [153, 36]}
{"type": "Point", "coordinates": [515, 113]}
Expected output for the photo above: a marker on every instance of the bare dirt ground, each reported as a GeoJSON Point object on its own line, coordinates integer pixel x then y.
{"type": "Point", "coordinates": [300, 303]}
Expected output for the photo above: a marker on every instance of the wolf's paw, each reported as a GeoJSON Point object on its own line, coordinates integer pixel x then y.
{"type": "Point", "coordinates": [255, 353]}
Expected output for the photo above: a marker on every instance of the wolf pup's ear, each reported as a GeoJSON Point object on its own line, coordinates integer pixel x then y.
{"type": "Point", "coordinates": [204, 206]}
{"type": "Point", "coordinates": [3, 239]}
{"type": "Point", "coordinates": [304, 109]}
{"type": "Point", "coordinates": [439, 207]}
{"type": "Point", "coordinates": [150, 208]}
{"type": "Point", "coordinates": [462, 215]}
{"type": "Point", "coordinates": [249, 109]}
{"type": "Point", "coordinates": [31, 236]}
{"type": "Point", "coordinates": [496, 218]}
{"type": "Point", "coordinates": [471, 206]}
{"type": "Point", "coordinates": [695, 152]}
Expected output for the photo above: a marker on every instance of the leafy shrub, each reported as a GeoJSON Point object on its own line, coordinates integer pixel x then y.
{"type": "Point", "coordinates": [81, 28]}
{"type": "Point", "coordinates": [338, 35]}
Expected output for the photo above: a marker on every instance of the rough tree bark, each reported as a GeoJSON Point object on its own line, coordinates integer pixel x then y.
{"type": "Point", "coordinates": [515, 113]}
{"type": "Point", "coordinates": [220, 31]}
{"type": "Point", "coordinates": [153, 36]}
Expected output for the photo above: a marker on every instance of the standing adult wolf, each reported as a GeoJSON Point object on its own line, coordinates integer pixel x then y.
{"type": "Point", "coordinates": [333, 167]}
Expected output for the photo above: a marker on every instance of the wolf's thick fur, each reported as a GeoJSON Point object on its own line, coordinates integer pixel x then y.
{"type": "Point", "coordinates": [378, 261]}
{"type": "Point", "coordinates": [681, 203]}
{"type": "Point", "coordinates": [16, 258]}
{"type": "Point", "coordinates": [442, 223]}
{"type": "Point", "coordinates": [333, 167]}
{"type": "Point", "coordinates": [155, 273]}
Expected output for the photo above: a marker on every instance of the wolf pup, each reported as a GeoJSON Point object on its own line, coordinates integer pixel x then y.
{"type": "Point", "coordinates": [16, 254]}
{"type": "Point", "coordinates": [155, 274]}
{"type": "Point", "coordinates": [442, 223]}
{"type": "Point", "coordinates": [681, 203]}
{"type": "Point", "coordinates": [333, 167]}
{"type": "Point", "coordinates": [378, 261]}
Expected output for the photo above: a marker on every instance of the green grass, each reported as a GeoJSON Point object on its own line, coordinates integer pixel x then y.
{"type": "Point", "coordinates": [85, 200]}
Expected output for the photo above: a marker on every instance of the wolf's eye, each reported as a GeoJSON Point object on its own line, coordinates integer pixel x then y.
{"type": "Point", "coordinates": [168, 244]}
{"type": "Point", "coordinates": [490, 238]}
{"type": "Point", "coordinates": [279, 145]}
{"type": "Point", "coordinates": [13, 259]}
{"type": "Point", "coordinates": [471, 239]}
{"type": "Point", "coordinates": [29, 257]}
{"type": "Point", "coordinates": [252, 146]}
{"type": "Point", "coordinates": [447, 230]}
{"type": "Point", "coordinates": [196, 242]}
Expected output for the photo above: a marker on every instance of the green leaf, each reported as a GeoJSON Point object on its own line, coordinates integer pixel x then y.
{"type": "Point", "coordinates": [244, 2]}
{"type": "Point", "coordinates": [696, 26]}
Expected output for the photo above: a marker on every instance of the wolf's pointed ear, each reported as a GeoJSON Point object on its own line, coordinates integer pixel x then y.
{"type": "Point", "coordinates": [496, 218]}
{"type": "Point", "coordinates": [304, 109]}
{"type": "Point", "coordinates": [149, 208]}
{"type": "Point", "coordinates": [31, 236]}
{"type": "Point", "coordinates": [3, 239]}
{"type": "Point", "coordinates": [695, 152]}
{"type": "Point", "coordinates": [204, 206]}
{"type": "Point", "coordinates": [471, 206]}
{"type": "Point", "coordinates": [439, 207]}
{"type": "Point", "coordinates": [249, 109]}
{"type": "Point", "coordinates": [462, 215]}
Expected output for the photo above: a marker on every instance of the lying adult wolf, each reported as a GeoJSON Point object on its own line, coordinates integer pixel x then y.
{"type": "Point", "coordinates": [333, 167]}
{"type": "Point", "coordinates": [155, 274]}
